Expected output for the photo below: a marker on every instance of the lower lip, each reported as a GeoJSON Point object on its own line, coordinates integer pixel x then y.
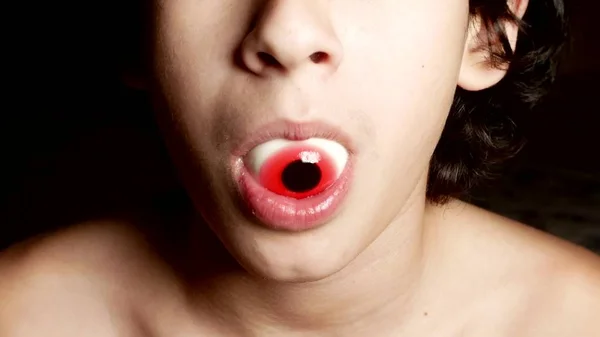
{"type": "Point", "coordinates": [288, 214]}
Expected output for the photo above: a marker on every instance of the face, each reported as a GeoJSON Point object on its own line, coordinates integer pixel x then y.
{"type": "Point", "coordinates": [240, 82]}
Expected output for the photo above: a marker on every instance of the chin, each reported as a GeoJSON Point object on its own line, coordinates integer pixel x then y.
{"type": "Point", "coordinates": [290, 257]}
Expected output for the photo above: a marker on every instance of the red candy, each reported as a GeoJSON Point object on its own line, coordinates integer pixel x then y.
{"type": "Point", "coordinates": [305, 161]}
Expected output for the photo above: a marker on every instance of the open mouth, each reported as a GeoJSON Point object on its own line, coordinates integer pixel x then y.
{"type": "Point", "coordinates": [295, 184]}
{"type": "Point", "coordinates": [297, 169]}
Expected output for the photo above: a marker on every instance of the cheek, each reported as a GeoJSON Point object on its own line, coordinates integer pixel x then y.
{"type": "Point", "coordinates": [401, 69]}
{"type": "Point", "coordinates": [191, 66]}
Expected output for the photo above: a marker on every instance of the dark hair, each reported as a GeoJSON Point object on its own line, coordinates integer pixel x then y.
{"type": "Point", "coordinates": [481, 131]}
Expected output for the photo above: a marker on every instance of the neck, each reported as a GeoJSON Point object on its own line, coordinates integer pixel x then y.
{"type": "Point", "coordinates": [377, 289]}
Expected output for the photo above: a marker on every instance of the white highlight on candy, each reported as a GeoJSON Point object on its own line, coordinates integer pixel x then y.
{"type": "Point", "coordinates": [261, 153]}
{"type": "Point", "coordinates": [335, 150]}
{"type": "Point", "coordinates": [310, 157]}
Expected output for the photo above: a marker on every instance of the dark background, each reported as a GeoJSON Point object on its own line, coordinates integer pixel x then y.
{"type": "Point", "coordinates": [554, 184]}
{"type": "Point", "coordinates": [71, 151]}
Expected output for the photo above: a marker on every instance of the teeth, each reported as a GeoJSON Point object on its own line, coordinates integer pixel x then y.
{"type": "Point", "coordinates": [338, 153]}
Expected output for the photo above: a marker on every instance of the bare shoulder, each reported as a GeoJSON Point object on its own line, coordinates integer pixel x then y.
{"type": "Point", "coordinates": [541, 285]}
{"type": "Point", "coordinates": [513, 241]}
{"type": "Point", "coordinates": [572, 307]}
{"type": "Point", "coordinates": [567, 301]}
{"type": "Point", "coordinates": [65, 284]}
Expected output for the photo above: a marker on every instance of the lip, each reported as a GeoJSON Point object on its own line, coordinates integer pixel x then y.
{"type": "Point", "coordinates": [284, 213]}
{"type": "Point", "coordinates": [284, 129]}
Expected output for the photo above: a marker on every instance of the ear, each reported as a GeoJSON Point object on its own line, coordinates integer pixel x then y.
{"type": "Point", "coordinates": [477, 72]}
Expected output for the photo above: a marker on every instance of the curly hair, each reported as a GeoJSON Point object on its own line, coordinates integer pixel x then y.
{"type": "Point", "coordinates": [481, 130]}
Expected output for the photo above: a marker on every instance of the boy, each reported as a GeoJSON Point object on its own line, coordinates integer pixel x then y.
{"type": "Point", "coordinates": [321, 143]}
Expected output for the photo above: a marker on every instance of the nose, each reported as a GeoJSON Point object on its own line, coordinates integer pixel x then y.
{"type": "Point", "coordinates": [292, 35]}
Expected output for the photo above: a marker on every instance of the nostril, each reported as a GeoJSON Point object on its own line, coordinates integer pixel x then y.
{"type": "Point", "coordinates": [319, 57]}
{"type": "Point", "coordinates": [268, 59]}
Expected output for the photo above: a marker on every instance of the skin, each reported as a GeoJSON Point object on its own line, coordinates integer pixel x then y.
{"type": "Point", "coordinates": [389, 264]}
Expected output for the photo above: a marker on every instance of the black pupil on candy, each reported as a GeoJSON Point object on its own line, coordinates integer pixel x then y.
{"type": "Point", "coordinates": [300, 176]}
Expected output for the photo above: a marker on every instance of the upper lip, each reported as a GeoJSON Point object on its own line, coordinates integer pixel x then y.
{"type": "Point", "coordinates": [285, 129]}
